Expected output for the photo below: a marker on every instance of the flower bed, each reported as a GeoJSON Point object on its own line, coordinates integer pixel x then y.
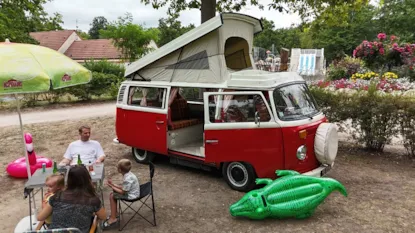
{"type": "Point", "coordinates": [383, 85]}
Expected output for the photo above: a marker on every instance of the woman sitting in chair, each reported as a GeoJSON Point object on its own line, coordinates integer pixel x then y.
{"type": "Point", "coordinates": [75, 206]}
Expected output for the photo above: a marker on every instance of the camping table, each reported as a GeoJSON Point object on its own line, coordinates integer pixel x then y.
{"type": "Point", "coordinates": [38, 180]}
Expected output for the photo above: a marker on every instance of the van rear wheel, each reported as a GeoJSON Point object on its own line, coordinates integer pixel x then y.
{"type": "Point", "coordinates": [142, 156]}
{"type": "Point", "coordinates": [240, 176]}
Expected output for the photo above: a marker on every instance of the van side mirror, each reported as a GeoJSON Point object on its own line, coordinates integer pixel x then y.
{"type": "Point", "coordinates": [257, 119]}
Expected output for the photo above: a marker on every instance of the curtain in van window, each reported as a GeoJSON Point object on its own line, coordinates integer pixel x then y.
{"type": "Point", "coordinates": [131, 94]}
{"type": "Point", "coordinates": [227, 99]}
{"type": "Point", "coordinates": [144, 99]}
{"type": "Point", "coordinates": [173, 93]}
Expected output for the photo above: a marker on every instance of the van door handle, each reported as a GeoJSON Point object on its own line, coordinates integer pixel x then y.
{"type": "Point", "coordinates": [212, 141]}
{"type": "Point", "coordinates": [159, 122]}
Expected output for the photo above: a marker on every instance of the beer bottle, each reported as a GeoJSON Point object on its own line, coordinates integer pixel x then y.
{"type": "Point", "coordinates": [79, 160]}
{"type": "Point", "coordinates": [55, 167]}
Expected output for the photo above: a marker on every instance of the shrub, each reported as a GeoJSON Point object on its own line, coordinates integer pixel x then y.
{"type": "Point", "coordinates": [407, 124]}
{"type": "Point", "coordinates": [335, 72]}
{"type": "Point", "coordinates": [376, 116]}
{"type": "Point", "coordinates": [105, 67]}
{"type": "Point", "coordinates": [99, 85]}
{"type": "Point", "coordinates": [345, 68]}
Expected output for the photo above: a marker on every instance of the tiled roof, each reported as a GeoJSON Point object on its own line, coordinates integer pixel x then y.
{"type": "Point", "coordinates": [52, 39]}
{"type": "Point", "coordinates": [96, 49]}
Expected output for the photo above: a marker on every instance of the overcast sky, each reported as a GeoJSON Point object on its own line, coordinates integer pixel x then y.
{"type": "Point", "coordinates": [84, 11]}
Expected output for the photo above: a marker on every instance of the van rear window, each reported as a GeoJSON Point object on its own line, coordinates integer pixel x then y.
{"type": "Point", "coordinates": [146, 97]}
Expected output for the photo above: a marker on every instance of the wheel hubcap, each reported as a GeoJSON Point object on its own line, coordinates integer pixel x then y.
{"type": "Point", "coordinates": [140, 154]}
{"type": "Point", "coordinates": [237, 174]}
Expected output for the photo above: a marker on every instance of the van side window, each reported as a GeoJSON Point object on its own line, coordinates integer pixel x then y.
{"type": "Point", "coordinates": [146, 97]}
{"type": "Point", "coordinates": [239, 108]}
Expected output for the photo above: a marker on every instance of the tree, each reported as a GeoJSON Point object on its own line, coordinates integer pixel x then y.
{"type": "Point", "coordinates": [208, 8]}
{"type": "Point", "coordinates": [83, 35]}
{"type": "Point", "coordinates": [341, 38]}
{"type": "Point", "coordinates": [98, 23]}
{"type": "Point", "coordinates": [280, 38]}
{"type": "Point", "coordinates": [169, 29]}
{"type": "Point", "coordinates": [398, 17]}
{"type": "Point", "coordinates": [19, 17]}
{"type": "Point", "coordinates": [131, 39]}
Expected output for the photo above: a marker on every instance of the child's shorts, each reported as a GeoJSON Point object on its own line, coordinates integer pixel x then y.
{"type": "Point", "coordinates": [118, 196]}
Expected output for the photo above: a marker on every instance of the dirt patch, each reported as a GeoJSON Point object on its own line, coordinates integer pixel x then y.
{"type": "Point", "coordinates": [381, 188]}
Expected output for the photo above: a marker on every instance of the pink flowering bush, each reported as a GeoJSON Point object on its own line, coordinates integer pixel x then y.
{"type": "Point", "coordinates": [385, 53]}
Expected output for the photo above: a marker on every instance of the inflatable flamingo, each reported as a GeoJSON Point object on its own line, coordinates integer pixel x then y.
{"type": "Point", "coordinates": [18, 168]}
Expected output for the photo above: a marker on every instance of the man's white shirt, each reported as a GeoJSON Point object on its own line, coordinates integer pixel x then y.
{"type": "Point", "coordinates": [89, 151]}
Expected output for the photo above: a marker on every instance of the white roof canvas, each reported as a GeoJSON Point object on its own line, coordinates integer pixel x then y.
{"type": "Point", "coordinates": [208, 54]}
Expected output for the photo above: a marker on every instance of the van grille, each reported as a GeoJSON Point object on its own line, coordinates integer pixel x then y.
{"type": "Point", "coordinates": [121, 94]}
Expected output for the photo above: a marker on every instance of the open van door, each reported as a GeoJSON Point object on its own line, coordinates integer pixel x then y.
{"type": "Point", "coordinates": [241, 133]}
{"type": "Point", "coordinates": [142, 118]}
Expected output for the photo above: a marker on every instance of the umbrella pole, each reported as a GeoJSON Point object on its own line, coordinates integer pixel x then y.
{"type": "Point", "coordinates": [29, 174]}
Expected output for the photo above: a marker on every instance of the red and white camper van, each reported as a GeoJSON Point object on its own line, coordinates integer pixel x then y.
{"type": "Point", "coordinates": [248, 122]}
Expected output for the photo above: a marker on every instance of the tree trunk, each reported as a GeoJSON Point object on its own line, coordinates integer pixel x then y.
{"type": "Point", "coordinates": [208, 9]}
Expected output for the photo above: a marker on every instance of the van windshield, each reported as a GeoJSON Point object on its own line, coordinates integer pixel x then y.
{"type": "Point", "coordinates": [294, 102]}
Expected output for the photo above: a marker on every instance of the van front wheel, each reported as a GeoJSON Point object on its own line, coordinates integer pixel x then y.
{"type": "Point", "coordinates": [142, 156]}
{"type": "Point", "coordinates": [239, 175]}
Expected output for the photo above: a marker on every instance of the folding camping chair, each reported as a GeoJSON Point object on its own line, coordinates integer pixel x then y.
{"type": "Point", "coordinates": [93, 229]}
{"type": "Point", "coordinates": [146, 191]}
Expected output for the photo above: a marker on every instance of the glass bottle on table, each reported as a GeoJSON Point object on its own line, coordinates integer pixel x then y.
{"type": "Point", "coordinates": [55, 167]}
{"type": "Point", "coordinates": [79, 160]}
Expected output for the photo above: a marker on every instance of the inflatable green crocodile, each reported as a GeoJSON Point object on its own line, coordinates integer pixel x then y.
{"type": "Point", "coordinates": [292, 195]}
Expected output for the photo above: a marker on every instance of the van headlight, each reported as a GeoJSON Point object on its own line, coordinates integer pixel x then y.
{"type": "Point", "coordinates": [301, 152]}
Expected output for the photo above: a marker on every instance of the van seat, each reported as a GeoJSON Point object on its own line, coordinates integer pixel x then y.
{"type": "Point", "coordinates": [179, 115]}
{"type": "Point", "coordinates": [262, 109]}
{"type": "Point", "coordinates": [184, 123]}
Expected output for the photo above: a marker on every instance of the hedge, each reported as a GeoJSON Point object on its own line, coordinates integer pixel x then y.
{"type": "Point", "coordinates": [376, 117]}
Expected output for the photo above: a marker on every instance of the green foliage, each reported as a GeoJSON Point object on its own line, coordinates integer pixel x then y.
{"type": "Point", "coordinates": [398, 17]}
{"type": "Point", "coordinates": [98, 86]}
{"type": "Point", "coordinates": [281, 38]}
{"type": "Point", "coordinates": [341, 37]}
{"type": "Point", "coordinates": [335, 72]}
{"type": "Point", "coordinates": [375, 117]}
{"type": "Point", "coordinates": [169, 29]}
{"type": "Point", "coordinates": [98, 23]}
{"type": "Point", "coordinates": [344, 68]}
{"type": "Point", "coordinates": [131, 39]}
{"type": "Point", "coordinates": [114, 73]}
{"type": "Point", "coordinates": [106, 67]}
{"type": "Point", "coordinates": [407, 124]}
{"type": "Point", "coordinates": [83, 35]}
{"type": "Point", "coordinates": [19, 17]}
{"type": "Point", "coordinates": [305, 8]}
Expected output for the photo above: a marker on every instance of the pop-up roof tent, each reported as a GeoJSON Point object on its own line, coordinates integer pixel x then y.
{"type": "Point", "coordinates": [207, 54]}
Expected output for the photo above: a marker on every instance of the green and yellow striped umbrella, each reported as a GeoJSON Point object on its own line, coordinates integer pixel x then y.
{"type": "Point", "coordinates": [27, 68]}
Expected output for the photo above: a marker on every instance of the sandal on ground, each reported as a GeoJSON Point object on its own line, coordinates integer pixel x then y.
{"type": "Point", "coordinates": [106, 224]}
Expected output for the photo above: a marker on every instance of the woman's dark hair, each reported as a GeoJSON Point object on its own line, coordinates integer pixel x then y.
{"type": "Point", "coordinates": [79, 181]}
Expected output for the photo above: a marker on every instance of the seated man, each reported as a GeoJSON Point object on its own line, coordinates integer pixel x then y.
{"type": "Point", "coordinates": [90, 151]}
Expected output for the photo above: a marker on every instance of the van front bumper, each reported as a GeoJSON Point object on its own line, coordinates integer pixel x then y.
{"type": "Point", "coordinates": [320, 171]}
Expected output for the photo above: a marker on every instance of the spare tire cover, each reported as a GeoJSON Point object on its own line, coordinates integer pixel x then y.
{"type": "Point", "coordinates": [326, 143]}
